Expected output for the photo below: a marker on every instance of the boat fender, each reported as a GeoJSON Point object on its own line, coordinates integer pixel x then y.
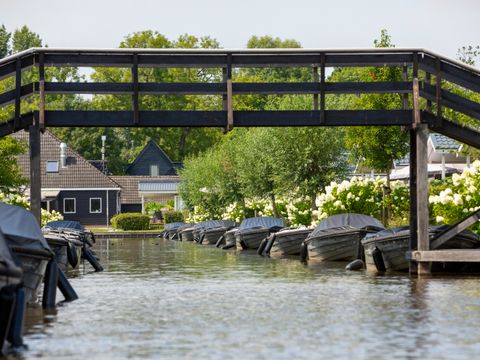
{"type": "Point", "coordinates": [72, 255]}
{"type": "Point", "coordinates": [220, 241]}
{"type": "Point", "coordinates": [304, 252]}
{"type": "Point", "coordinates": [16, 325]}
{"type": "Point", "coordinates": [7, 304]}
{"type": "Point", "coordinates": [50, 285]}
{"type": "Point", "coordinates": [270, 243]}
{"type": "Point", "coordinates": [87, 255]}
{"type": "Point", "coordinates": [229, 246]}
{"type": "Point", "coordinates": [378, 260]}
{"type": "Point", "coordinates": [65, 287]}
{"type": "Point", "coordinates": [262, 246]}
{"type": "Point", "coordinates": [355, 265]}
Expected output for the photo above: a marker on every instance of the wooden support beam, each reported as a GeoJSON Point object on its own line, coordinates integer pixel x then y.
{"type": "Point", "coordinates": [428, 81]}
{"type": "Point", "coordinates": [455, 229]}
{"type": "Point", "coordinates": [455, 131]}
{"type": "Point", "coordinates": [35, 170]}
{"type": "Point", "coordinates": [438, 80]}
{"type": "Point", "coordinates": [315, 80]}
{"type": "Point", "coordinates": [135, 105]}
{"type": "Point", "coordinates": [18, 93]}
{"type": "Point", "coordinates": [229, 94]}
{"type": "Point", "coordinates": [41, 83]}
{"type": "Point", "coordinates": [322, 88]}
{"type": "Point", "coordinates": [405, 95]}
{"type": "Point", "coordinates": [413, 197]}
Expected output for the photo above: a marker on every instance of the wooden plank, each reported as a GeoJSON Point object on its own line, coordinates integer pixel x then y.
{"type": "Point", "coordinates": [237, 88]}
{"type": "Point", "coordinates": [455, 131]}
{"type": "Point", "coordinates": [438, 92]}
{"type": "Point", "coordinates": [455, 229]}
{"type": "Point", "coordinates": [315, 80]}
{"type": "Point", "coordinates": [6, 128]}
{"type": "Point", "coordinates": [135, 105]}
{"type": "Point", "coordinates": [413, 244]}
{"type": "Point", "coordinates": [35, 171]}
{"type": "Point", "coordinates": [219, 119]}
{"type": "Point", "coordinates": [41, 105]}
{"type": "Point", "coordinates": [322, 88]}
{"type": "Point", "coordinates": [451, 100]}
{"type": "Point", "coordinates": [428, 79]}
{"type": "Point", "coordinates": [405, 79]}
{"type": "Point", "coordinates": [229, 95]}
{"type": "Point", "coordinates": [9, 97]}
{"type": "Point", "coordinates": [447, 255]}
{"type": "Point", "coordinates": [18, 93]}
{"type": "Point", "coordinates": [10, 67]}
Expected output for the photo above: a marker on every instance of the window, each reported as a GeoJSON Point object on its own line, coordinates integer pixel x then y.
{"type": "Point", "coordinates": [153, 170]}
{"type": "Point", "coordinates": [52, 166]}
{"type": "Point", "coordinates": [95, 205]}
{"type": "Point", "coordinates": [69, 206]}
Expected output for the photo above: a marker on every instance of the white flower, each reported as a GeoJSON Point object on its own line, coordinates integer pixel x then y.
{"type": "Point", "coordinates": [439, 219]}
{"type": "Point", "coordinates": [337, 203]}
{"type": "Point", "coordinates": [457, 199]}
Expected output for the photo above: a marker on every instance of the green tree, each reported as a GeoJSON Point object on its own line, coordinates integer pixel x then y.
{"type": "Point", "coordinates": [4, 41]}
{"type": "Point", "coordinates": [10, 175]}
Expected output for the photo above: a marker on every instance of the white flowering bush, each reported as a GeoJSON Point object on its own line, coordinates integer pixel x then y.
{"type": "Point", "coordinates": [22, 200]}
{"type": "Point", "coordinates": [362, 196]}
{"type": "Point", "coordinates": [457, 196]}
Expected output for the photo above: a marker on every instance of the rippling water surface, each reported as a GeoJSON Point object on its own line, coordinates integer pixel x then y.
{"type": "Point", "coordinates": [164, 299]}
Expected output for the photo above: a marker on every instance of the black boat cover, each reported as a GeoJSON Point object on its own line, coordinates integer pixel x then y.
{"type": "Point", "coordinates": [405, 231]}
{"type": "Point", "coordinates": [213, 224]}
{"type": "Point", "coordinates": [65, 224]}
{"type": "Point", "coordinates": [21, 228]}
{"type": "Point", "coordinates": [259, 222]}
{"type": "Point", "coordinates": [343, 222]}
{"type": "Point", "coordinates": [7, 264]}
{"type": "Point", "coordinates": [173, 226]}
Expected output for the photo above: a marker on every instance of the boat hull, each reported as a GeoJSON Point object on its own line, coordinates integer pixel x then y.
{"type": "Point", "coordinates": [341, 246]}
{"type": "Point", "coordinates": [187, 235]}
{"type": "Point", "coordinates": [212, 235]}
{"type": "Point", "coordinates": [392, 250]}
{"type": "Point", "coordinates": [250, 239]}
{"type": "Point", "coordinates": [34, 264]}
{"type": "Point", "coordinates": [288, 242]}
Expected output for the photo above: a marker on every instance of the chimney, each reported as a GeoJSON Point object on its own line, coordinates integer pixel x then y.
{"type": "Point", "coordinates": [63, 154]}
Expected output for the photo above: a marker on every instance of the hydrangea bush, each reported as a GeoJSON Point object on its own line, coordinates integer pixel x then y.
{"type": "Point", "coordinates": [22, 200]}
{"type": "Point", "coordinates": [459, 196]}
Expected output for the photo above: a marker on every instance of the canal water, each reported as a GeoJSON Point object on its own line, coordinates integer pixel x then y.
{"type": "Point", "coordinates": [165, 300]}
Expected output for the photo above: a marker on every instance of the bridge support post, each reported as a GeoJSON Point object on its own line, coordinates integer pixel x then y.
{"type": "Point", "coordinates": [35, 170]}
{"type": "Point", "coordinates": [419, 238]}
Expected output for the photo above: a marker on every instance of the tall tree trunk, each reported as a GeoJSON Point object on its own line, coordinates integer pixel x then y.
{"type": "Point", "coordinates": [313, 205]}
{"type": "Point", "coordinates": [182, 144]}
{"type": "Point", "coordinates": [274, 205]}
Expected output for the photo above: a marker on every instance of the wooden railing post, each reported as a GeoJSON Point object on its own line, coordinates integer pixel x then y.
{"type": "Point", "coordinates": [315, 80]}
{"type": "Point", "coordinates": [136, 108]}
{"type": "Point", "coordinates": [41, 84]}
{"type": "Point", "coordinates": [229, 102]}
{"type": "Point", "coordinates": [438, 92]}
{"type": "Point", "coordinates": [35, 170]}
{"type": "Point", "coordinates": [18, 93]}
{"type": "Point", "coordinates": [322, 88]}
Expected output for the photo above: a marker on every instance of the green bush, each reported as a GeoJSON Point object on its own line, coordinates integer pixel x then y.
{"type": "Point", "coordinates": [131, 221]}
{"type": "Point", "coordinates": [172, 216]}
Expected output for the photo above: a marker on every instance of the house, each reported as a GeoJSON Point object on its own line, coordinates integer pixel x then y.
{"type": "Point", "coordinates": [444, 158]}
{"type": "Point", "coordinates": [70, 184]}
{"type": "Point", "coordinates": [151, 177]}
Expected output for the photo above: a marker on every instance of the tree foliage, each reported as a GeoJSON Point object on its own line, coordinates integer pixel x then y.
{"type": "Point", "coordinates": [10, 174]}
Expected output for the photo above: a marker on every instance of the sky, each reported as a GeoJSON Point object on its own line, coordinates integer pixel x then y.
{"type": "Point", "coordinates": [441, 26]}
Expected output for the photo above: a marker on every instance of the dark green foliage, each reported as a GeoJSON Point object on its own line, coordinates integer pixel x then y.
{"type": "Point", "coordinates": [172, 216]}
{"type": "Point", "coordinates": [10, 175]}
{"type": "Point", "coordinates": [131, 221]}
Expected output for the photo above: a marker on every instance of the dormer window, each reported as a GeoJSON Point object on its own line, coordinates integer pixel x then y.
{"type": "Point", "coordinates": [52, 166]}
{"type": "Point", "coordinates": [154, 170]}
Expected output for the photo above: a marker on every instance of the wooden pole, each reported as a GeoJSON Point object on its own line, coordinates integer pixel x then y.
{"type": "Point", "coordinates": [421, 139]}
{"type": "Point", "coordinates": [135, 103]}
{"type": "Point", "coordinates": [41, 83]}
{"type": "Point", "coordinates": [35, 171]}
{"type": "Point", "coordinates": [322, 88]}
{"type": "Point", "coordinates": [229, 94]}
{"type": "Point", "coordinates": [315, 80]}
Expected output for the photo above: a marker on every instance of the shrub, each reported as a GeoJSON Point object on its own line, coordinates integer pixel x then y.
{"type": "Point", "coordinates": [172, 216]}
{"type": "Point", "coordinates": [131, 221]}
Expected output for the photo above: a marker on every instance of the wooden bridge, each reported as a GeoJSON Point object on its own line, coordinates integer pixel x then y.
{"type": "Point", "coordinates": [434, 71]}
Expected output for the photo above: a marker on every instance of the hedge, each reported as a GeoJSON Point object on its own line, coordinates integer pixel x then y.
{"type": "Point", "coordinates": [172, 216]}
{"type": "Point", "coordinates": [131, 221]}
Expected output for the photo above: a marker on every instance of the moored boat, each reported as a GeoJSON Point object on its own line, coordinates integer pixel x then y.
{"type": "Point", "coordinates": [229, 240]}
{"type": "Point", "coordinates": [252, 231]}
{"type": "Point", "coordinates": [386, 250]}
{"type": "Point", "coordinates": [170, 231]}
{"type": "Point", "coordinates": [338, 238]}
{"type": "Point", "coordinates": [285, 242]}
{"type": "Point", "coordinates": [213, 230]}
{"type": "Point", "coordinates": [186, 233]}
{"type": "Point", "coordinates": [28, 246]}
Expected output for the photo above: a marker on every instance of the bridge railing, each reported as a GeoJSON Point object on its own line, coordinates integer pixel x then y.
{"type": "Point", "coordinates": [412, 61]}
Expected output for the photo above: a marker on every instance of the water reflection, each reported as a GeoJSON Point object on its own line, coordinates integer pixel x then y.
{"type": "Point", "coordinates": [162, 299]}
